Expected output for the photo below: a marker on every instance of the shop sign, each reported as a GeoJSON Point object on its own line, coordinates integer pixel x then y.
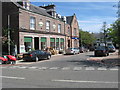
{"type": "Point", "coordinates": [75, 38]}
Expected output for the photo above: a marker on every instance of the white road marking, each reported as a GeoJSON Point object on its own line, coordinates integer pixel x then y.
{"type": "Point", "coordinates": [65, 68]}
{"type": "Point", "coordinates": [22, 67]}
{"type": "Point", "coordinates": [77, 68]}
{"type": "Point", "coordinates": [14, 67]}
{"type": "Point", "coordinates": [53, 68]}
{"type": "Point", "coordinates": [114, 69]}
{"type": "Point", "coordinates": [12, 77]}
{"type": "Point", "coordinates": [102, 69]}
{"type": "Point", "coordinates": [3, 67]}
{"type": "Point", "coordinates": [90, 68]}
{"type": "Point", "coordinates": [43, 68]}
{"type": "Point", "coordinates": [33, 67]}
{"type": "Point", "coordinates": [76, 81]}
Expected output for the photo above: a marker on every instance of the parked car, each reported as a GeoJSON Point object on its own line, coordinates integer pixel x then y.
{"type": "Point", "coordinates": [3, 60]}
{"type": "Point", "coordinates": [36, 55]}
{"type": "Point", "coordinates": [111, 48]}
{"type": "Point", "coordinates": [72, 51]}
{"type": "Point", "coordinates": [83, 49]}
{"type": "Point", "coordinates": [11, 59]}
{"type": "Point", "coordinates": [8, 59]}
{"type": "Point", "coordinates": [92, 48]}
{"type": "Point", "coordinates": [101, 51]}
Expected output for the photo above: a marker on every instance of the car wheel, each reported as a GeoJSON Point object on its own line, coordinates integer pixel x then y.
{"type": "Point", "coordinates": [1, 62]}
{"type": "Point", "coordinates": [12, 62]}
{"type": "Point", "coordinates": [36, 59]}
{"type": "Point", "coordinates": [48, 57]}
{"type": "Point", "coordinates": [73, 53]}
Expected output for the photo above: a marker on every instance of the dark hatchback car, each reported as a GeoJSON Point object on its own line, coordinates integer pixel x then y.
{"type": "Point", "coordinates": [36, 55]}
{"type": "Point", "coordinates": [101, 51]}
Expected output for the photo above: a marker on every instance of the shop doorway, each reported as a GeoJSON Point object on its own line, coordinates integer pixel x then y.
{"type": "Point", "coordinates": [68, 43]}
{"type": "Point", "coordinates": [36, 43]}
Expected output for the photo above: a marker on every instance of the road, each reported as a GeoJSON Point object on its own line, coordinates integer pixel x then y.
{"type": "Point", "coordinates": [64, 71]}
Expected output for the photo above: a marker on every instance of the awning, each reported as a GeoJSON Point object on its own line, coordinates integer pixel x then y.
{"type": "Point", "coordinates": [27, 39]}
{"type": "Point", "coordinates": [43, 39]}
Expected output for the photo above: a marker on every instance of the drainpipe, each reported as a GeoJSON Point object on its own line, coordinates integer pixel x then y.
{"type": "Point", "coordinates": [65, 36]}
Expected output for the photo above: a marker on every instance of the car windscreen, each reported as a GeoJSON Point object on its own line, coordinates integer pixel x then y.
{"type": "Point", "coordinates": [100, 48]}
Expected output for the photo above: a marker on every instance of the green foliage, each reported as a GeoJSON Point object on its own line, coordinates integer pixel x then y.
{"type": "Point", "coordinates": [5, 36]}
{"type": "Point", "coordinates": [86, 38]}
{"type": "Point", "coordinates": [114, 33]}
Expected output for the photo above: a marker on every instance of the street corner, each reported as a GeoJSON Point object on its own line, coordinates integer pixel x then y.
{"type": "Point", "coordinates": [21, 62]}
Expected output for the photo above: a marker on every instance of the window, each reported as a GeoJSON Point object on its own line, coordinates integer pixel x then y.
{"type": "Point", "coordinates": [43, 43]}
{"type": "Point", "coordinates": [68, 31]}
{"type": "Point", "coordinates": [57, 43]}
{"type": "Point", "coordinates": [32, 23]}
{"type": "Point", "coordinates": [52, 43]}
{"type": "Point", "coordinates": [75, 32]}
{"type": "Point", "coordinates": [47, 25]}
{"type": "Point", "coordinates": [62, 43]}
{"type": "Point", "coordinates": [59, 28]}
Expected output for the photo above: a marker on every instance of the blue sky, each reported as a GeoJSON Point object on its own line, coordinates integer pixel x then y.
{"type": "Point", "coordinates": [90, 15]}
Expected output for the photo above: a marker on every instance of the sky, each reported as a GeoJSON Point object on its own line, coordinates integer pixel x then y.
{"type": "Point", "coordinates": [90, 15]}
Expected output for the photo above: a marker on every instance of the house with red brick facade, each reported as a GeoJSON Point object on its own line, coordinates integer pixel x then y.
{"type": "Point", "coordinates": [39, 27]}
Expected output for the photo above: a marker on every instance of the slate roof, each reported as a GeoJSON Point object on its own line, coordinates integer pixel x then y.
{"type": "Point", "coordinates": [35, 9]}
{"type": "Point", "coordinates": [69, 19]}
{"type": "Point", "coordinates": [39, 10]}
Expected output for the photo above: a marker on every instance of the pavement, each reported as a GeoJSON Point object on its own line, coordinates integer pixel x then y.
{"type": "Point", "coordinates": [18, 62]}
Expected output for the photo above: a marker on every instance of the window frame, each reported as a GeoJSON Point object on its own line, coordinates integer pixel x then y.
{"type": "Point", "coordinates": [32, 23]}
{"type": "Point", "coordinates": [59, 28]}
{"type": "Point", "coordinates": [47, 27]}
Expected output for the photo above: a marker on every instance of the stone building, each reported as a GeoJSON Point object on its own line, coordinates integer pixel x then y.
{"type": "Point", "coordinates": [39, 27]}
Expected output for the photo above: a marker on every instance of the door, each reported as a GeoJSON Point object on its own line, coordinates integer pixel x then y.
{"type": "Point", "coordinates": [36, 43]}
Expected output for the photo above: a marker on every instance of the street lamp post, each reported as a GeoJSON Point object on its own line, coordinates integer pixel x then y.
{"type": "Point", "coordinates": [104, 28]}
{"type": "Point", "coordinates": [8, 34]}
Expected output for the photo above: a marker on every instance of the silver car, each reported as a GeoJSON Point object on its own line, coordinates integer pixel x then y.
{"type": "Point", "coordinates": [72, 51]}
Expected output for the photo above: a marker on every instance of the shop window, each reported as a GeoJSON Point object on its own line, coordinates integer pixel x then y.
{"type": "Point", "coordinates": [43, 43]}
{"type": "Point", "coordinates": [32, 23]}
{"type": "Point", "coordinates": [57, 43]}
{"type": "Point", "coordinates": [61, 43]}
{"type": "Point", "coordinates": [52, 42]}
{"type": "Point", "coordinates": [28, 43]}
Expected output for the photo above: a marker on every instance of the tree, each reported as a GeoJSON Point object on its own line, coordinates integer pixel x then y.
{"type": "Point", "coordinates": [113, 32]}
{"type": "Point", "coordinates": [86, 38]}
{"type": "Point", "coordinates": [5, 41]}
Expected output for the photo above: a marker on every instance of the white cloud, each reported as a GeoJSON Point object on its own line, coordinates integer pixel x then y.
{"type": "Point", "coordinates": [94, 24]}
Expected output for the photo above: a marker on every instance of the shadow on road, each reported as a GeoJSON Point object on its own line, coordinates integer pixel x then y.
{"type": "Point", "coordinates": [104, 63]}
{"type": "Point", "coordinates": [113, 61]}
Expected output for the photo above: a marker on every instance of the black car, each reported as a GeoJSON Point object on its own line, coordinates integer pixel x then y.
{"type": "Point", "coordinates": [101, 51]}
{"type": "Point", "coordinates": [36, 55]}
